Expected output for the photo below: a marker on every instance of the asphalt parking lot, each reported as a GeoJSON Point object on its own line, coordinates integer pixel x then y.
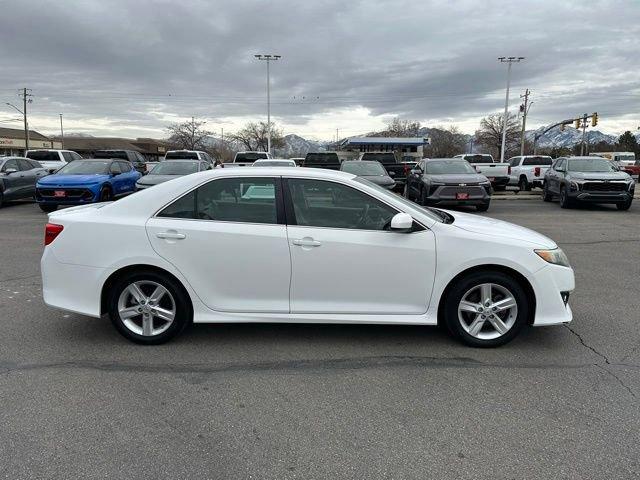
{"type": "Point", "coordinates": [299, 401]}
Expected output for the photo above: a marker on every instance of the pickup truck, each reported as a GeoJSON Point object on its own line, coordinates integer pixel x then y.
{"type": "Point", "coordinates": [528, 171]}
{"type": "Point", "coordinates": [52, 160]}
{"type": "Point", "coordinates": [246, 159]}
{"type": "Point", "coordinates": [326, 160]}
{"type": "Point", "coordinates": [398, 171]}
{"type": "Point", "coordinates": [497, 173]}
{"type": "Point", "coordinates": [625, 161]}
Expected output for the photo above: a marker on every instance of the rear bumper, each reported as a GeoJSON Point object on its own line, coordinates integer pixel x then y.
{"type": "Point", "coordinates": [549, 284]}
{"type": "Point", "coordinates": [499, 181]}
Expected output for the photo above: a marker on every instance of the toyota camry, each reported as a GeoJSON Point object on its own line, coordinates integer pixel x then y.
{"type": "Point", "coordinates": [298, 246]}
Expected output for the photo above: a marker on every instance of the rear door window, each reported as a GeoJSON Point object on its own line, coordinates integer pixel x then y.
{"type": "Point", "coordinates": [24, 165]}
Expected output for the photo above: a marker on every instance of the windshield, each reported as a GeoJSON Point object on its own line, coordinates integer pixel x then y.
{"type": "Point", "coordinates": [250, 156]}
{"type": "Point", "coordinates": [187, 155]}
{"type": "Point", "coordinates": [444, 167]}
{"type": "Point", "coordinates": [478, 158]}
{"type": "Point", "coordinates": [44, 156]}
{"type": "Point", "coordinates": [321, 158]}
{"type": "Point", "coordinates": [590, 165]}
{"type": "Point", "coordinates": [84, 167]}
{"type": "Point", "coordinates": [174, 168]}
{"type": "Point", "coordinates": [364, 168]}
{"type": "Point", "coordinates": [274, 163]}
{"type": "Point", "coordinates": [431, 213]}
{"type": "Point", "coordinates": [111, 154]}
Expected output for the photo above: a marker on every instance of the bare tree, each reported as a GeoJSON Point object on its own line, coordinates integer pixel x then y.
{"type": "Point", "coordinates": [402, 128]}
{"type": "Point", "coordinates": [189, 135]}
{"type": "Point", "coordinates": [490, 134]}
{"type": "Point", "coordinates": [446, 142]}
{"type": "Point", "coordinates": [253, 137]}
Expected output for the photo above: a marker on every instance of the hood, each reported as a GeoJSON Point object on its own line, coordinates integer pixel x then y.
{"type": "Point", "coordinates": [499, 228]}
{"type": "Point", "coordinates": [456, 178]}
{"type": "Point", "coordinates": [156, 179]}
{"type": "Point", "coordinates": [599, 176]}
{"type": "Point", "coordinates": [56, 180]}
{"type": "Point", "coordinates": [382, 180]}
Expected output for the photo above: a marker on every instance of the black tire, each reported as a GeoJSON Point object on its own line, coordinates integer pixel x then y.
{"type": "Point", "coordinates": [482, 207]}
{"type": "Point", "coordinates": [106, 195]}
{"type": "Point", "coordinates": [48, 208]}
{"type": "Point", "coordinates": [565, 201]}
{"type": "Point", "coordinates": [182, 304]}
{"type": "Point", "coordinates": [624, 205]}
{"type": "Point", "coordinates": [546, 194]}
{"type": "Point", "coordinates": [524, 184]}
{"type": "Point", "coordinates": [462, 286]}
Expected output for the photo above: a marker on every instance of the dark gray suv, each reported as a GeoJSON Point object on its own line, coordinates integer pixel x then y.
{"type": "Point", "coordinates": [588, 179]}
{"type": "Point", "coordinates": [448, 181]}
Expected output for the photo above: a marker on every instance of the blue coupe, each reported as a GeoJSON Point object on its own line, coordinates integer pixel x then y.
{"type": "Point", "coordinates": [86, 181]}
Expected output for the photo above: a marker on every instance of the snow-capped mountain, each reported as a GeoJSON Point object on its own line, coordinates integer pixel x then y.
{"type": "Point", "coordinates": [297, 146]}
{"type": "Point", "coordinates": [569, 137]}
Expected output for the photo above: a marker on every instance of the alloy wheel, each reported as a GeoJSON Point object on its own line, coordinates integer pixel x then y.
{"type": "Point", "coordinates": [146, 308]}
{"type": "Point", "coordinates": [487, 311]}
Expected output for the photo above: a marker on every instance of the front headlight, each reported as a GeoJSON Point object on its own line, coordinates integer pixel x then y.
{"type": "Point", "coordinates": [574, 185]}
{"type": "Point", "coordinates": [555, 256]}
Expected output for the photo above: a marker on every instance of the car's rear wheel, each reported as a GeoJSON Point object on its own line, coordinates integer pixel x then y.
{"type": "Point", "coordinates": [423, 196]}
{"type": "Point", "coordinates": [48, 208]}
{"type": "Point", "coordinates": [482, 207]}
{"type": "Point", "coordinates": [105, 194]}
{"type": "Point", "coordinates": [565, 202]}
{"type": "Point", "coordinates": [406, 193]}
{"type": "Point", "coordinates": [1, 199]}
{"type": "Point", "coordinates": [486, 309]}
{"type": "Point", "coordinates": [546, 194]}
{"type": "Point", "coordinates": [524, 185]}
{"type": "Point", "coordinates": [624, 205]}
{"type": "Point", "coordinates": [148, 307]}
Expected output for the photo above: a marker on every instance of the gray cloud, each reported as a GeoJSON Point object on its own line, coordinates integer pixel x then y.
{"type": "Point", "coordinates": [129, 67]}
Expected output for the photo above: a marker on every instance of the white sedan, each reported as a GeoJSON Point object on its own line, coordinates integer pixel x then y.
{"type": "Point", "coordinates": [298, 245]}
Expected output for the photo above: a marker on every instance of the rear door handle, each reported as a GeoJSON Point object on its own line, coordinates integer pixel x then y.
{"type": "Point", "coordinates": [306, 242]}
{"type": "Point", "coordinates": [171, 235]}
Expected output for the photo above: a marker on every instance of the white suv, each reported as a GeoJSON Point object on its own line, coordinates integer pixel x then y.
{"type": "Point", "coordinates": [51, 159]}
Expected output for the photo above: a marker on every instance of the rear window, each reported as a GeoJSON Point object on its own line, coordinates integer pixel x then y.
{"type": "Point", "coordinates": [179, 155]}
{"type": "Point", "coordinates": [121, 154]}
{"type": "Point", "coordinates": [321, 158]}
{"type": "Point", "coordinates": [543, 161]}
{"type": "Point", "coordinates": [250, 156]}
{"type": "Point", "coordinates": [384, 158]}
{"type": "Point", "coordinates": [479, 158]}
{"type": "Point", "coordinates": [44, 156]}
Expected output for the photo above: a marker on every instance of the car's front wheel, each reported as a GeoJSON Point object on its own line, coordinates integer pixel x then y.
{"type": "Point", "coordinates": [483, 207]}
{"type": "Point", "coordinates": [624, 205]}
{"type": "Point", "coordinates": [486, 309]}
{"type": "Point", "coordinates": [148, 307]}
{"type": "Point", "coordinates": [546, 194]}
{"type": "Point", "coordinates": [565, 201]}
{"type": "Point", "coordinates": [105, 194]}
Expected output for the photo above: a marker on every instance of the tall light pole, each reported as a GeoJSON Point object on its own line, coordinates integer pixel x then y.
{"type": "Point", "coordinates": [509, 61]}
{"type": "Point", "coordinates": [268, 58]}
{"type": "Point", "coordinates": [61, 132]}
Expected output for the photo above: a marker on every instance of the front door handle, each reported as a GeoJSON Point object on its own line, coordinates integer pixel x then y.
{"type": "Point", "coordinates": [171, 235]}
{"type": "Point", "coordinates": [306, 242]}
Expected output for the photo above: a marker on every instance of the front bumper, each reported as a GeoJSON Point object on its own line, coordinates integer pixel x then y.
{"type": "Point", "coordinates": [448, 195]}
{"type": "Point", "coordinates": [549, 284]}
{"type": "Point", "coordinates": [73, 196]}
{"type": "Point", "coordinates": [600, 197]}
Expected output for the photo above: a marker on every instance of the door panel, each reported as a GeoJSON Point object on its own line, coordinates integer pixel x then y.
{"type": "Point", "coordinates": [360, 272]}
{"type": "Point", "coordinates": [234, 267]}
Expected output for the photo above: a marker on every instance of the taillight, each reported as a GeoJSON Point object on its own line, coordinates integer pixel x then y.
{"type": "Point", "coordinates": [536, 171]}
{"type": "Point", "coordinates": [51, 231]}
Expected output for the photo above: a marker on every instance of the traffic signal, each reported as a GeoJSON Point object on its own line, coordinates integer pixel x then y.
{"type": "Point", "coordinates": [577, 123]}
{"type": "Point", "coordinates": [594, 119]}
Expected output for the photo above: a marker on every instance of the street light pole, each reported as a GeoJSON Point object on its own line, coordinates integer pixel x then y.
{"type": "Point", "coordinates": [268, 59]}
{"type": "Point", "coordinates": [26, 125]}
{"type": "Point", "coordinates": [61, 132]}
{"type": "Point", "coordinates": [509, 61]}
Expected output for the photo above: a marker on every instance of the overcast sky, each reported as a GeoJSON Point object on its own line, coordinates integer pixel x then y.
{"type": "Point", "coordinates": [129, 68]}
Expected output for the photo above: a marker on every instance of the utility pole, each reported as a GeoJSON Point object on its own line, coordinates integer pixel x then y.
{"type": "Point", "coordinates": [525, 110]}
{"type": "Point", "coordinates": [509, 61]}
{"type": "Point", "coordinates": [268, 59]}
{"type": "Point", "coordinates": [584, 131]}
{"type": "Point", "coordinates": [61, 132]}
{"type": "Point", "coordinates": [222, 134]}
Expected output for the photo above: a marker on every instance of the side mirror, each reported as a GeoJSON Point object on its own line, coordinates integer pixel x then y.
{"type": "Point", "coordinates": [401, 222]}
{"type": "Point", "coordinates": [416, 171]}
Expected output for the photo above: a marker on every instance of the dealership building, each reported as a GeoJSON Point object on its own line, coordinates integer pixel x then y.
{"type": "Point", "coordinates": [12, 141]}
